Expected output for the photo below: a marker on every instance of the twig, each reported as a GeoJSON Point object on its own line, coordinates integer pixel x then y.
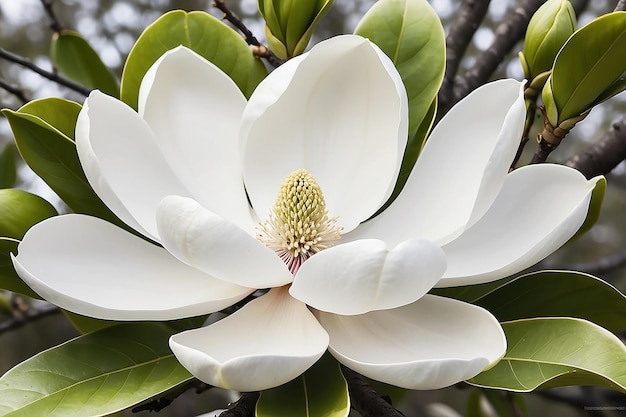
{"type": "Point", "coordinates": [621, 5]}
{"type": "Point", "coordinates": [507, 34]}
{"type": "Point", "coordinates": [22, 316]}
{"type": "Point", "coordinates": [364, 399]}
{"type": "Point", "coordinates": [160, 403]}
{"type": "Point", "coordinates": [604, 155]}
{"type": "Point", "coordinates": [259, 50]}
{"type": "Point", "coordinates": [243, 407]}
{"type": "Point", "coordinates": [55, 24]}
{"type": "Point", "coordinates": [459, 37]}
{"type": "Point", "coordinates": [11, 57]}
{"type": "Point", "coordinates": [16, 91]}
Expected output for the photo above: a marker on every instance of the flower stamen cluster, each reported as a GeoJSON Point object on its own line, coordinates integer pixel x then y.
{"type": "Point", "coordinates": [298, 226]}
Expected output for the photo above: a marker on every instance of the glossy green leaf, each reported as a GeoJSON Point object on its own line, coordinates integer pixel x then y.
{"type": "Point", "coordinates": [19, 210]}
{"type": "Point", "coordinates": [44, 132]}
{"type": "Point", "coordinates": [94, 375]}
{"type": "Point", "coordinates": [74, 58]}
{"type": "Point", "coordinates": [8, 168]}
{"type": "Point", "coordinates": [86, 324]}
{"type": "Point", "coordinates": [555, 294]}
{"type": "Point", "coordinates": [595, 206]}
{"type": "Point", "coordinates": [200, 32]}
{"type": "Point", "coordinates": [9, 280]}
{"type": "Point", "coordinates": [550, 352]}
{"type": "Point", "coordinates": [613, 90]}
{"type": "Point", "coordinates": [411, 34]}
{"type": "Point", "coordinates": [321, 391]}
{"type": "Point", "coordinates": [470, 293]}
{"type": "Point", "coordinates": [588, 64]}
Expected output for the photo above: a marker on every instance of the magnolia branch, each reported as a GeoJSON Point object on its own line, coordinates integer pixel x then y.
{"type": "Point", "coordinates": [259, 50]}
{"type": "Point", "coordinates": [601, 157]}
{"type": "Point", "coordinates": [244, 407]}
{"type": "Point", "coordinates": [459, 37]}
{"type": "Point", "coordinates": [55, 24]}
{"type": "Point", "coordinates": [27, 314]}
{"type": "Point", "coordinates": [16, 91]}
{"type": "Point", "coordinates": [364, 399]}
{"type": "Point", "coordinates": [507, 34]}
{"type": "Point", "coordinates": [11, 57]}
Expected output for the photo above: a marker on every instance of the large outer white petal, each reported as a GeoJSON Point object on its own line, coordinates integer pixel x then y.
{"type": "Point", "coordinates": [342, 116]}
{"type": "Point", "coordinates": [91, 267]}
{"type": "Point", "coordinates": [460, 171]}
{"type": "Point", "coordinates": [216, 246]}
{"type": "Point", "coordinates": [268, 342]}
{"type": "Point", "coordinates": [539, 208]}
{"type": "Point", "coordinates": [365, 275]}
{"type": "Point", "coordinates": [430, 344]}
{"type": "Point", "coordinates": [194, 110]}
{"type": "Point", "coordinates": [122, 162]}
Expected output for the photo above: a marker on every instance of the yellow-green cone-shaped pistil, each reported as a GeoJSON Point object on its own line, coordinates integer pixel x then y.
{"type": "Point", "coordinates": [298, 226]}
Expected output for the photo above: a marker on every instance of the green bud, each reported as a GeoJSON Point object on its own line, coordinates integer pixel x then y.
{"type": "Point", "coordinates": [551, 25]}
{"type": "Point", "coordinates": [290, 23]}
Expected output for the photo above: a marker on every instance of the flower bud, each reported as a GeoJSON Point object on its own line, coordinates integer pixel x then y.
{"type": "Point", "coordinates": [551, 25]}
{"type": "Point", "coordinates": [290, 23]}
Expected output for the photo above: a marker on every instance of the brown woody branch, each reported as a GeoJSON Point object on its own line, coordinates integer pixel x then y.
{"type": "Point", "coordinates": [364, 399]}
{"type": "Point", "coordinates": [11, 57]}
{"type": "Point", "coordinates": [259, 50]}
{"type": "Point", "coordinates": [55, 24]}
{"type": "Point", "coordinates": [16, 91]}
{"type": "Point", "coordinates": [507, 34]}
{"type": "Point", "coordinates": [459, 37]}
{"type": "Point", "coordinates": [604, 155]}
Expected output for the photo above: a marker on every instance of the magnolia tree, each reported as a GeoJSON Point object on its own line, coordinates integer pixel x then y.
{"type": "Point", "coordinates": [301, 223]}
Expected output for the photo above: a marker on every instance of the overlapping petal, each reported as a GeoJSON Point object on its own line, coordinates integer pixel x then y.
{"type": "Point", "coordinates": [345, 125]}
{"type": "Point", "coordinates": [460, 171]}
{"type": "Point", "coordinates": [122, 162]}
{"type": "Point", "coordinates": [268, 342]}
{"type": "Point", "coordinates": [93, 268]}
{"type": "Point", "coordinates": [365, 275]}
{"type": "Point", "coordinates": [195, 120]}
{"type": "Point", "coordinates": [216, 246]}
{"type": "Point", "coordinates": [539, 208]}
{"type": "Point", "coordinates": [430, 344]}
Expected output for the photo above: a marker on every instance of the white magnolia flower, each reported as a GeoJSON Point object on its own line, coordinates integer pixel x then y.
{"type": "Point", "coordinates": [198, 170]}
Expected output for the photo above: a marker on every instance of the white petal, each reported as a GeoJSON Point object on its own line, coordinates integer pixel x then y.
{"type": "Point", "coordinates": [460, 170]}
{"type": "Point", "coordinates": [430, 344]}
{"type": "Point", "coordinates": [216, 246]}
{"type": "Point", "coordinates": [122, 162]}
{"type": "Point", "coordinates": [362, 276]}
{"type": "Point", "coordinates": [90, 267]}
{"type": "Point", "coordinates": [268, 342]}
{"type": "Point", "coordinates": [539, 208]}
{"type": "Point", "coordinates": [194, 110]}
{"type": "Point", "coordinates": [342, 116]}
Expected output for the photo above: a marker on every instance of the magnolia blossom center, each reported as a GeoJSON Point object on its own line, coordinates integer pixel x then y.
{"type": "Point", "coordinates": [298, 226]}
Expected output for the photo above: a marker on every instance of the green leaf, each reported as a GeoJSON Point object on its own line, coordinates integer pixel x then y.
{"type": "Point", "coordinates": [94, 375]}
{"type": "Point", "coordinates": [200, 32]}
{"type": "Point", "coordinates": [470, 293]}
{"type": "Point", "coordinates": [411, 34]}
{"type": "Point", "coordinates": [74, 58]}
{"type": "Point", "coordinates": [43, 133]}
{"type": "Point", "coordinates": [321, 391]}
{"type": "Point", "coordinates": [8, 169]}
{"type": "Point", "coordinates": [9, 280]}
{"type": "Point", "coordinates": [19, 210]}
{"type": "Point", "coordinates": [595, 206]}
{"type": "Point", "coordinates": [557, 294]}
{"type": "Point", "coordinates": [550, 352]}
{"type": "Point", "coordinates": [588, 64]}
{"type": "Point", "coordinates": [86, 324]}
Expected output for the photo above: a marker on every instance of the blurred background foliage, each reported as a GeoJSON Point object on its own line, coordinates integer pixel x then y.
{"type": "Point", "coordinates": [112, 26]}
